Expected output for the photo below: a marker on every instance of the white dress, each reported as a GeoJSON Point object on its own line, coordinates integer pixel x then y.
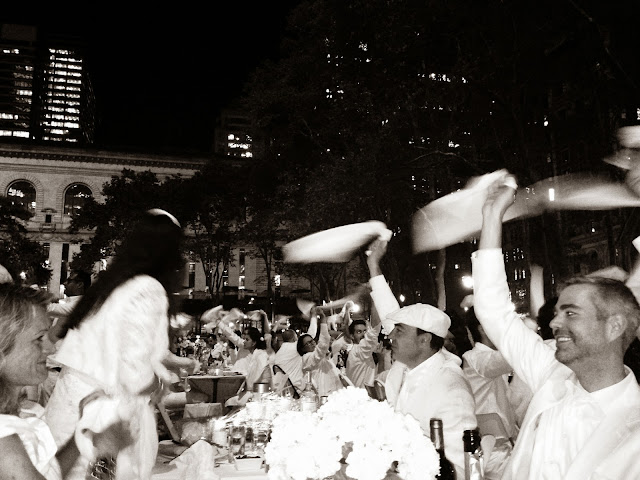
{"type": "Point", "coordinates": [117, 349]}
{"type": "Point", "coordinates": [35, 437]}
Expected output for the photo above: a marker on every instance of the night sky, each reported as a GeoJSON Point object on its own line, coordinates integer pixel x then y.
{"type": "Point", "coordinates": [161, 76]}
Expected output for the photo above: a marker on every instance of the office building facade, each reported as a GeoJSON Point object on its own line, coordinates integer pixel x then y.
{"type": "Point", "coordinates": [45, 90]}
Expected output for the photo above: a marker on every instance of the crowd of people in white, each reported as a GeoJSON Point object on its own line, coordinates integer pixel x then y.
{"type": "Point", "coordinates": [82, 392]}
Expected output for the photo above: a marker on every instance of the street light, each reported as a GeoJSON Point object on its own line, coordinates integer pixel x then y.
{"type": "Point", "coordinates": [402, 299]}
{"type": "Point", "coordinates": [467, 281]}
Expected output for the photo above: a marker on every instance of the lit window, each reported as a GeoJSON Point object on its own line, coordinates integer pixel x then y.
{"type": "Point", "coordinates": [75, 198]}
{"type": "Point", "coordinates": [192, 274]}
{"type": "Point", "coordinates": [23, 193]}
{"type": "Point", "coordinates": [241, 262]}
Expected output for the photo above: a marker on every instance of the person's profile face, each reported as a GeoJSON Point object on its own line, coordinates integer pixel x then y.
{"type": "Point", "coordinates": [73, 286]}
{"type": "Point", "coordinates": [308, 344]}
{"type": "Point", "coordinates": [358, 333]}
{"type": "Point", "coordinates": [404, 343]}
{"type": "Point", "coordinates": [248, 342]}
{"type": "Point", "coordinates": [26, 363]}
{"type": "Point", "coordinates": [578, 331]}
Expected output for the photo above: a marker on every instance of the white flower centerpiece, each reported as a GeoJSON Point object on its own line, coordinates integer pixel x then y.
{"type": "Point", "coordinates": [352, 435]}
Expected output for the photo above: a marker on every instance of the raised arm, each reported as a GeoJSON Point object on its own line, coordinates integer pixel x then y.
{"type": "Point", "coordinates": [266, 330]}
{"type": "Point", "coordinates": [383, 298]}
{"type": "Point", "coordinates": [521, 347]}
{"type": "Point", "coordinates": [223, 327]}
{"type": "Point", "coordinates": [312, 359]}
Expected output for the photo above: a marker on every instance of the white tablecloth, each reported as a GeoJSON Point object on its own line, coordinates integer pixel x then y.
{"type": "Point", "coordinates": [200, 459]}
{"type": "Point", "coordinates": [223, 472]}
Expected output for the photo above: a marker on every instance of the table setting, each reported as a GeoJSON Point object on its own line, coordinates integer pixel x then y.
{"type": "Point", "coordinates": [349, 436]}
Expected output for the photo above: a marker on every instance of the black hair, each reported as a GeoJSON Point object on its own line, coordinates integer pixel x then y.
{"type": "Point", "coordinates": [459, 332]}
{"type": "Point", "coordinates": [152, 248]}
{"type": "Point", "coordinates": [300, 346]}
{"type": "Point", "coordinates": [353, 325]}
{"type": "Point", "coordinates": [83, 277]}
{"type": "Point", "coordinates": [255, 335]}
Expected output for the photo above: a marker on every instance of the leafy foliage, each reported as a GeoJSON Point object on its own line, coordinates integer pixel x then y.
{"type": "Point", "coordinates": [127, 197]}
{"type": "Point", "coordinates": [18, 253]}
{"type": "Point", "coordinates": [377, 107]}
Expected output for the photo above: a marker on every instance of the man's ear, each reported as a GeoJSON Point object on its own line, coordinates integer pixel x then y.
{"type": "Point", "coordinates": [424, 340]}
{"type": "Point", "coordinates": [616, 326]}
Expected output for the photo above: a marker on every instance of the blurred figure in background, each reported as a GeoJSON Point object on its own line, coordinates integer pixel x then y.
{"type": "Point", "coordinates": [115, 343]}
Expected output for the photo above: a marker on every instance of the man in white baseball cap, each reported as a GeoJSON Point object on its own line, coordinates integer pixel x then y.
{"type": "Point", "coordinates": [425, 381]}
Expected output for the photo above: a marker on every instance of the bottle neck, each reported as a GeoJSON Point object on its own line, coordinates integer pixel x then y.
{"type": "Point", "coordinates": [437, 438]}
{"type": "Point", "coordinates": [471, 439]}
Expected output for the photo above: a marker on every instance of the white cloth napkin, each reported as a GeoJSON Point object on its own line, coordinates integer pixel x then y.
{"type": "Point", "coordinates": [197, 462]}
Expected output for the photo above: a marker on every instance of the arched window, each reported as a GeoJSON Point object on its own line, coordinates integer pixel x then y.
{"type": "Point", "coordinates": [75, 198]}
{"type": "Point", "coordinates": [23, 193]}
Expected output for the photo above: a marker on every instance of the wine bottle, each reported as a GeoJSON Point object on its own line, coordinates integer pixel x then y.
{"type": "Point", "coordinates": [309, 397]}
{"type": "Point", "coordinates": [473, 457]}
{"type": "Point", "coordinates": [447, 472]}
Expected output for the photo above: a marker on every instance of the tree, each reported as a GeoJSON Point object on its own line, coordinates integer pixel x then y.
{"type": "Point", "coordinates": [211, 204]}
{"type": "Point", "coordinates": [265, 225]}
{"type": "Point", "coordinates": [19, 254]}
{"type": "Point", "coordinates": [127, 197]}
{"type": "Point", "coordinates": [378, 107]}
{"type": "Point", "coordinates": [354, 120]}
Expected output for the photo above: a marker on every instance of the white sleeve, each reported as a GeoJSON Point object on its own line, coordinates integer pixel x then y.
{"type": "Point", "coordinates": [384, 300]}
{"type": "Point", "coordinates": [521, 347]}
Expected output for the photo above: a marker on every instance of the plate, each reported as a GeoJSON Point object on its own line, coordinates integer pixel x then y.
{"type": "Point", "coordinates": [336, 245]}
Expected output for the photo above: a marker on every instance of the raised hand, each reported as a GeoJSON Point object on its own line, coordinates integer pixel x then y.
{"type": "Point", "coordinates": [376, 251]}
{"type": "Point", "coordinates": [501, 195]}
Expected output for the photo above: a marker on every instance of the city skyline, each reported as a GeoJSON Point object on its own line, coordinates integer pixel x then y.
{"type": "Point", "coordinates": [160, 81]}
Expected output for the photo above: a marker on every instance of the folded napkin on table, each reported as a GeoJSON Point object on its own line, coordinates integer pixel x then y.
{"type": "Point", "coordinates": [197, 462]}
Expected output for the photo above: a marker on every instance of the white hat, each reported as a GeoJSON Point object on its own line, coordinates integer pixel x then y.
{"type": "Point", "coordinates": [422, 316]}
{"type": "Point", "coordinates": [5, 276]}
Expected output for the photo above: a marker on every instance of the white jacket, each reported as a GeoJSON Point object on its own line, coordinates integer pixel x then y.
{"type": "Point", "coordinates": [611, 452]}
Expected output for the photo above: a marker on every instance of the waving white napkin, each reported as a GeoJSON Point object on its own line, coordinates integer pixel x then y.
{"type": "Point", "coordinates": [197, 462]}
{"type": "Point", "coordinates": [336, 245]}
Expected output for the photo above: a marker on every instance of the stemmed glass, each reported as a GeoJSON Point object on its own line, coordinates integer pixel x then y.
{"type": "Point", "coordinates": [237, 438]}
{"type": "Point", "coordinates": [260, 437]}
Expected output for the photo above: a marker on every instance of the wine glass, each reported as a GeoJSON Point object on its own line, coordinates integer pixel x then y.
{"type": "Point", "coordinates": [237, 436]}
{"type": "Point", "coordinates": [260, 437]}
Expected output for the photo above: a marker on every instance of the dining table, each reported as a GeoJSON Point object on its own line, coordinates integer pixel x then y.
{"type": "Point", "coordinates": [214, 464]}
{"type": "Point", "coordinates": [218, 388]}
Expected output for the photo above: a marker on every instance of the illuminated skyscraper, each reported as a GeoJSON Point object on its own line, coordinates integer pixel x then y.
{"type": "Point", "coordinates": [45, 91]}
{"type": "Point", "coordinates": [233, 135]}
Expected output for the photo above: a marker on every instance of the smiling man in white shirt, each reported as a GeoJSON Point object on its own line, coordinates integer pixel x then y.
{"type": "Point", "coordinates": [425, 380]}
{"type": "Point", "coordinates": [583, 421]}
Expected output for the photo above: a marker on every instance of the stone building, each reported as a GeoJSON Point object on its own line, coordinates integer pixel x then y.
{"type": "Point", "coordinates": [52, 182]}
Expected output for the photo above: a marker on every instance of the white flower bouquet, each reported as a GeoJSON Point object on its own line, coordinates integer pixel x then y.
{"type": "Point", "coordinates": [352, 435]}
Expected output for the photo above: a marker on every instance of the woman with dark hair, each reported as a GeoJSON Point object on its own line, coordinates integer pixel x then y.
{"type": "Point", "coordinates": [255, 366]}
{"type": "Point", "coordinates": [115, 342]}
{"type": "Point", "coordinates": [315, 358]}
